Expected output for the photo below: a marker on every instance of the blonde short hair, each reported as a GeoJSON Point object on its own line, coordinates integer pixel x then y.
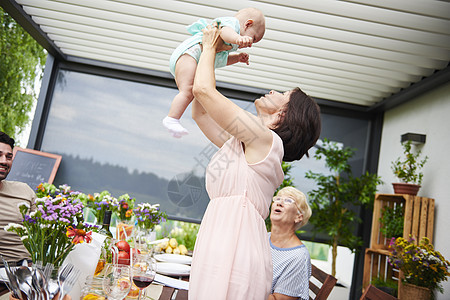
{"type": "Point", "coordinates": [301, 202]}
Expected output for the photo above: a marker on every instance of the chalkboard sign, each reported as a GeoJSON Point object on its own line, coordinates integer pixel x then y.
{"type": "Point", "coordinates": [33, 167]}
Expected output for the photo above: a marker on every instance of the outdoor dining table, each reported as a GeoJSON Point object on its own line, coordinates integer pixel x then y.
{"type": "Point", "coordinates": [156, 289]}
{"type": "Point", "coordinates": [173, 293]}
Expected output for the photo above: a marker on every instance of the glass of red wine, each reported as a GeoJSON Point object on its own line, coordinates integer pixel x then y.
{"type": "Point", "coordinates": [143, 271]}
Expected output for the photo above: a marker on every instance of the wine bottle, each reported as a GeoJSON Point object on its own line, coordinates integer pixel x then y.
{"type": "Point", "coordinates": [106, 222]}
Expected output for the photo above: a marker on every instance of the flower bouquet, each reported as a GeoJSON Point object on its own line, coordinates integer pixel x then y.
{"type": "Point", "coordinates": [99, 203]}
{"type": "Point", "coordinates": [147, 217]}
{"type": "Point", "coordinates": [421, 264]}
{"type": "Point", "coordinates": [124, 210]}
{"type": "Point", "coordinates": [124, 207]}
{"type": "Point", "coordinates": [51, 231]}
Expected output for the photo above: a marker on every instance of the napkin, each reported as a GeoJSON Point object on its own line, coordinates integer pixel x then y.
{"type": "Point", "coordinates": [85, 257]}
{"type": "Point", "coordinates": [175, 283]}
{"type": "Point", "coordinates": [154, 291]}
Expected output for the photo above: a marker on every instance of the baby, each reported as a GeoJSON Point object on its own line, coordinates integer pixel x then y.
{"type": "Point", "coordinates": [241, 31]}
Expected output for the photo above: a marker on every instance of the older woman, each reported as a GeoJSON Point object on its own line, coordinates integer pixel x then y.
{"type": "Point", "coordinates": [291, 261]}
{"type": "Point", "coordinates": [232, 254]}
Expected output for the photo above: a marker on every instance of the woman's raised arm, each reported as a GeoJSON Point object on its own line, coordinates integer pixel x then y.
{"type": "Point", "coordinates": [243, 125]}
{"type": "Point", "coordinates": [208, 126]}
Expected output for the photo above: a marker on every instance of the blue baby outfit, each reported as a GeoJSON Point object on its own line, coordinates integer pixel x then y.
{"type": "Point", "coordinates": [196, 30]}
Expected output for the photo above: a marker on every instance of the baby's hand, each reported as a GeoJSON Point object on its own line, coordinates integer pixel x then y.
{"type": "Point", "coordinates": [243, 57]}
{"type": "Point", "coordinates": [244, 41]}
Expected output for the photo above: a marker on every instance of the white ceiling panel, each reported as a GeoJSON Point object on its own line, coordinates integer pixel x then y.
{"type": "Point", "coordinates": [355, 51]}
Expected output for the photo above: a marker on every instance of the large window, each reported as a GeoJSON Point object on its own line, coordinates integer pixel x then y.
{"type": "Point", "coordinates": [110, 134]}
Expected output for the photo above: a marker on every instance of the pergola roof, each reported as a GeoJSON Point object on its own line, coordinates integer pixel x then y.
{"type": "Point", "coordinates": [361, 52]}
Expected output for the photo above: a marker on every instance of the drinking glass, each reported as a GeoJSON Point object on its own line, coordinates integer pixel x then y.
{"type": "Point", "coordinates": [117, 281]}
{"type": "Point", "coordinates": [143, 272]}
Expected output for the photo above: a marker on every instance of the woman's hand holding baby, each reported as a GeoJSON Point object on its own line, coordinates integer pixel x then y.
{"type": "Point", "coordinates": [211, 38]}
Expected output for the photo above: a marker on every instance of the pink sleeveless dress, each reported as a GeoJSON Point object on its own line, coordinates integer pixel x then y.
{"type": "Point", "coordinates": [232, 258]}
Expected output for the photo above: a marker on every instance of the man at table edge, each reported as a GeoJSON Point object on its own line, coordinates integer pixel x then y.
{"type": "Point", "coordinates": [11, 194]}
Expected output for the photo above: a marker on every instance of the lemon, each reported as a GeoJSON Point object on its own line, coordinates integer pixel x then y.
{"type": "Point", "coordinates": [92, 296]}
{"type": "Point", "coordinates": [183, 249]}
{"type": "Point", "coordinates": [176, 250]}
{"type": "Point", "coordinates": [169, 249]}
{"type": "Point", "coordinates": [173, 243]}
{"type": "Point", "coordinates": [164, 245]}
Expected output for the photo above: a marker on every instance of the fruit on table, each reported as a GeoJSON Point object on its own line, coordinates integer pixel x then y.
{"type": "Point", "coordinates": [173, 243]}
{"type": "Point", "coordinates": [171, 246]}
{"type": "Point", "coordinates": [134, 291]}
{"type": "Point", "coordinates": [92, 296]}
{"type": "Point", "coordinates": [124, 231]}
{"type": "Point", "coordinates": [124, 258]}
{"type": "Point", "coordinates": [135, 251]}
{"type": "Point", "coordinates": [123, 246]}
{"type": "Point", "coordinates": [183, 249]}
{"type": "Point", "coordinates": [164, 245]}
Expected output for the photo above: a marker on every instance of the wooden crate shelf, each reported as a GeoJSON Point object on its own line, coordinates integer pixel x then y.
{"type": "Point", "coordinates": [418, 222]}
{"type": "Point", "coordinates": [376, 264]}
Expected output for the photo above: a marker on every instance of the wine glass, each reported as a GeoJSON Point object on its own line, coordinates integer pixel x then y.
{"type": "Point", "coordinates": [117, 281]}
{"type": "Point", "coordinates": [143, 272]}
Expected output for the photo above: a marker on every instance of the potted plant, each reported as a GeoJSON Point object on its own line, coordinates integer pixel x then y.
{"type": "Point", "coordinates": [408, 171]}
{"type": "Point", "coordinates": [387, 285]}
{"type": "Point", "coordinates": [423, 267]}
{"type": "Point", "coordinates": [392, 220]}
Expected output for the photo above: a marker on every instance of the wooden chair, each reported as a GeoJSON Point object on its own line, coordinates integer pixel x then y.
{"type": "Point", "coordinates": [326, 281]}
{"type": "Point", "coordinates": [372, 293]}
{"type": "Point", "coordinates": [3, 289]}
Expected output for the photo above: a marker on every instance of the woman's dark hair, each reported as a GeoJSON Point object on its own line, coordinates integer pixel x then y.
{"type": "Point", "coordinates": [300, 126]}
{"type": "Point", "coordinates": [5, 139]}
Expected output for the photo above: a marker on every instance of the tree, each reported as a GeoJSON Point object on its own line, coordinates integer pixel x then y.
{"type": "Point", "coordinates": [333, 201]}
{"type": "Point", "coordinates": [21, 60]}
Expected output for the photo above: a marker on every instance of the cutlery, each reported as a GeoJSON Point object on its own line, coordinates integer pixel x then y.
{"type": "Point", "coordinates": [39, 283]}
{"type": "Point", "coordinates": [69, 282]}
{"type": "Point", "coordinates": [25, 279]}
{"type": "Point", "coordinates": [13, 284]}
{"type": "Point", "coordinates": [52, 288]}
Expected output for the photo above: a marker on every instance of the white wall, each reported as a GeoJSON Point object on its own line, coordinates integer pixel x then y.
{"type": "Point", "coordinates": [427, 114]}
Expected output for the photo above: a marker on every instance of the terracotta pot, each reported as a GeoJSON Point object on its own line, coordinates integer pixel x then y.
{"type": "Point", "coordinates": [414, 292]}
{"type": "Point", "coordinates": [406, 188]}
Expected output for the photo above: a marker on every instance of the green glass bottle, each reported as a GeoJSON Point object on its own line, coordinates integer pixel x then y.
{"type": "Point", "coordinates": [106, 222]}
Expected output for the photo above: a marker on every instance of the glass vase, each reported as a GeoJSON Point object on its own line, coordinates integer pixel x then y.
{"type": "Point", "coordinates": [124, 230]}
{"type": "Point", "coordinates": [143, 236]}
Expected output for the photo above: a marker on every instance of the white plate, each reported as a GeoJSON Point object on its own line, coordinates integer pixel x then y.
{"type": "Point", "coordinates": [174, 258]}
{"type": "Point", "coordinates": [173, 269]}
